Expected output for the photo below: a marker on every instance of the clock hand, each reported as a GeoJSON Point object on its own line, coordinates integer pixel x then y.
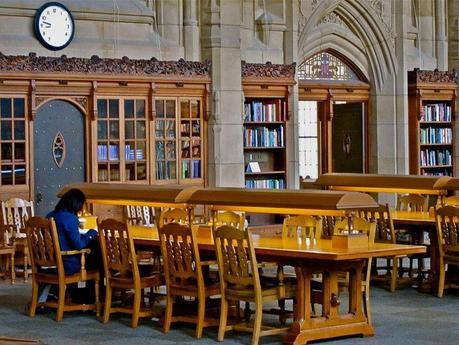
{"type": "Point", "coordinates": [48, 25]}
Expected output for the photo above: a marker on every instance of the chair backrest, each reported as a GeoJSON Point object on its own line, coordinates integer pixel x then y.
{"type": "Point", "coordinates": [305, 228]}
{"type": "Point", "coordinates": [447, 221]}
{"type": "Point", "coordinates": [358, 224]}
{"type": "Point", "coordinates": [180, 253]}
{"type": "Point", "coordinates": [230, 218]}
{"type": "Point", "coordinates": [449, 200]}
{"type": "Point", "coordinates": [328, 224]}
{"type": "Point", "coordinates": [43, 242]}
{"type": "Point", "coordinates": [15, 213]}
{"type": "Point", "coordinates": [140, 215]}
{"type": "Point", "coordinates": [237, 264]}
{"type": "Point", "coordinates": [385, 231]}
{"type": "Point", "coordinates": [174, 215]}
{"type": "Point", "coordinates": [412, 203]}
{"type": "Point", "coordinates": [117, 247]}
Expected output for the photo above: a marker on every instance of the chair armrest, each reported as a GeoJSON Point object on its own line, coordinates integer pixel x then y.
{"type": "Point", "coordinates": [208, 263]}
{"type": "Point", "coordinates": [74, 252]}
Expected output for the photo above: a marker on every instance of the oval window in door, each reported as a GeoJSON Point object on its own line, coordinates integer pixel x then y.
{"type": "Point", "coordinates": [59, 149]}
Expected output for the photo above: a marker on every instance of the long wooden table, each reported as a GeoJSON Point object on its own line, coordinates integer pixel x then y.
{"type": "Point", "coordinates": [308, 260]}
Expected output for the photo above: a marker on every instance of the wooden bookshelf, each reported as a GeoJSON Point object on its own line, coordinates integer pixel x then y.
{"type": "Point", "coordinates": [265, 116]}
{"type": "Point", "coordinates": [431, 102]}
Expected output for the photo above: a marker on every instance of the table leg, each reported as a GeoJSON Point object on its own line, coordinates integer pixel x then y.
{"type": "Point", "coordinates": [331, 323]}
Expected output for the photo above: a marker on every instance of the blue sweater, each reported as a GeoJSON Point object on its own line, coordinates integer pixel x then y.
{"type": "Point", "coordinates": [70, 238]}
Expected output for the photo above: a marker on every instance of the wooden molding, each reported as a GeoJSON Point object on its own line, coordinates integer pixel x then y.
{"type": "Point", "coordinates": [104, 66]}
{"type": "Point", "coordinates": [419, 76]}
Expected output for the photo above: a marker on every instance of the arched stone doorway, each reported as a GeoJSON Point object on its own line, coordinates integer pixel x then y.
{"type": "Point", "coordinates": [58, 151]}
{"type": "Point", "coordinates": [333, 115]}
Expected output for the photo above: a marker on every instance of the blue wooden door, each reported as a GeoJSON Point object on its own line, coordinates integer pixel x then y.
{"type": "Point", "coordinates": [59, 148]}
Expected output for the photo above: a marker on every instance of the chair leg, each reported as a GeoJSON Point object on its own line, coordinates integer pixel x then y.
{"type": "Point", "coordinates": [136, 308]}
{"type": "Point", "coordinates": [168, 313]}
{"type": "Point", "coordinates": [201, 315]}
{"type": "Point", "coordinates": [97, 302]}
{"type": "Point", "coordinates": [393, 274]}
{"type": "Point", "coordinates": [257, 322]}
{"type": "Point", "coordinates": [366, 305]}
{"type": "Point", "coordinates": [26, 264]}
{"type": "Point", "coordinates": [34, 301]}
{"type": "Point", "coordinates": [223, 318]}
{"type": "Point", "coordinates": [61, 302]}
{"type": "Point", "coordinates": [441, 280]}
{"type": "Point", "coordinates": [282, 317]}
{"type": "Point", "coordinates": [108, 303]}
{"type": "Point", "coordinates": [13, 272]}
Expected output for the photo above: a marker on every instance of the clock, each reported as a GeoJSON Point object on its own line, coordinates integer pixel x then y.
{"type": "Point", "coordinates": [54, 26]}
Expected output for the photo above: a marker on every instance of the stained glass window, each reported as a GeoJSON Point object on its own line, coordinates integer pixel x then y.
{"type": "Point", "coordinates": [325, 66]}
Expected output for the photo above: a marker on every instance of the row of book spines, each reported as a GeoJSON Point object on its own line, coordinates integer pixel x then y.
{"type": "Point", "coordinates": [195, 169]}
{"type": "Point", "coordinates": [264, 112]}
{"type": "Point", "coordinates": [436, 112]}
{"type": "Point", "coordinates": [435, 157]}
{"type": "Point", "coordinates": [432, 135]}
{"type": "Point", "coordinates": [264, 137]}
{"type": "Point", "coordinates": [112, 153]}
{"type": "Point", "coordinates": [265, 184]}
{"type": "Point", "coordinates": [104, 174]}
{"type": "Point", "coordinates": [443, 172]}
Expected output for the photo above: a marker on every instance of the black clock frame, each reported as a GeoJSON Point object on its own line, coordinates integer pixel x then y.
{"type": "Point", "coordinates": [37, 29]}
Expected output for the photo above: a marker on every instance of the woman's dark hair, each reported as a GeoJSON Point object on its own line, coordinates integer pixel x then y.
{"type": "Point", "coordinates": [72, 201]}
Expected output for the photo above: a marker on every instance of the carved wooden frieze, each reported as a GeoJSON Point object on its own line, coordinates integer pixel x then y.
{"type": "Point", "coordinates": [267, 70]}
{"type": "Point", "coordinates": [436, 76]}
{"type": "Point", "coordinates": [97, 65]}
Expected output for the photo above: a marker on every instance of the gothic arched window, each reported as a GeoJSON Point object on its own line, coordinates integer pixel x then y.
{"type": "Point", "coordinates": [325, 66]}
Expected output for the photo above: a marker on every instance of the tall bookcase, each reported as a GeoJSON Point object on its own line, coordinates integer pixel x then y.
{"type": "Point", "coordinates": [265, 142]}
{"type": "Point", "coordinates": [265, 115]}
{"type": "Point", "coordinates": [432, 98]}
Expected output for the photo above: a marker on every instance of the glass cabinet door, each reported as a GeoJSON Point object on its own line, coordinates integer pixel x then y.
{"type": "Point", "coordinates": [190, 139]}
{"type": "Point", "coordinates": [108, 140]}
{"type": "Point", "coordinates": [165, 140]}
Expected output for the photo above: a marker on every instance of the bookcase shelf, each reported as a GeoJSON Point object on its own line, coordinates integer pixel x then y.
{"type": "Point", "coordinates": [431, 102]}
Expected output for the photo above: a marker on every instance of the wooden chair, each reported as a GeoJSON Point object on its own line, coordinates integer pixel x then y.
{"type": "Point", "coordinates": [240, 281]}
{"type": "Point", "coordinates": [229, 218]}
{"type": "Point", "coordinates": [174, 215]}
{"type": "Point", "coordinates": [15, 213]}
{"type": "Point", "coordinates": [140, 215]}
{"type": "Point", "coordinates": [48, 268]}
{"type": "Point", "coordinates": [385, 233]}
{"type": "Point", "coordinates": [122, 271]}
{"type": "Point", "coordinates": [184, 274]}
{"type": "Point", "coordinates": [447, 222]}
{"type": "Point", "coordinates": [368, 227]}
{"type": "Point", "coordinates": [412, 203]}
{"type": "Point", "coordinates": [7, 252]}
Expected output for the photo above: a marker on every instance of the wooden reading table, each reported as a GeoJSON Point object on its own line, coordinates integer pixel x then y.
{"type": "Point", "coordinates": [308, 260]}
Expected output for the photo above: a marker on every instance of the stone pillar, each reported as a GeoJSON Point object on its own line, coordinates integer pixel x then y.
{"type": "Point", "coordinates": [453, 34]}
{"type": "Point", "coordinates": [191, 30]}
{"type": "Point", "coordinates": [442, 39]}
{"type": "Point", "coordinates": [221, 44]}
{"type": "Point", "coordinates": [290, 56]}
{"type": "Point", "coordinates": [402, 45]}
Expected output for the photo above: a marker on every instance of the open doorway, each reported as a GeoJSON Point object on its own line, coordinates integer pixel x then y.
{"type": "Point", "coordinates": [308, 140]}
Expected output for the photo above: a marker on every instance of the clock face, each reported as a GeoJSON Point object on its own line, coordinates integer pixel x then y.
{"type": "Point", "coordinates": [54, 25]}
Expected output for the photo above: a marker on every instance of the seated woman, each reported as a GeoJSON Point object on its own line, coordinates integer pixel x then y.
{"type": "Point", "coordinates": [67, 224]}
{"type": "Point", "coordinates": [70, 238]}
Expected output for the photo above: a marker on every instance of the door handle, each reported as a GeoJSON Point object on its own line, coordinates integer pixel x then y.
{"type": "Point", "coordinates": [39, 198]}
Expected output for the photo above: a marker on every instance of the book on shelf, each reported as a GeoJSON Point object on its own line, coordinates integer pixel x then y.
{"type": "Point", "coordinates": [257, 111]}
{"type": "Point", "coordinates": [196, 169]}
{"type": "Point", "coordinates": [436, 112]}
{"type": "Point", "coordinates": [264, 137]}
{"type": "Point", "coordinates": [434, 135]}
{"type": "Point", "coordinates": [265, 184]}
{"type": "Point", "coordinates": [102, 154]}
{"type": "Point", "coordinates": [113, 153]}
{"type": "Point", "coordinates": [429, 158]}
{"type": "Point", "coordinates": [133, 154]}
{"type": "Point", "coordinates": [253, 167]}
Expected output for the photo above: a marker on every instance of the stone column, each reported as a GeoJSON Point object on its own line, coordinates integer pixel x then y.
{"type": "Point", "coordinates": [191, 30]}
{"type": "Point", "coordinates": [290, 56]}
{"type": "Point", "coordinates": [442, 40]}
{"type": "Point", "coordinates": [221, 44]}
